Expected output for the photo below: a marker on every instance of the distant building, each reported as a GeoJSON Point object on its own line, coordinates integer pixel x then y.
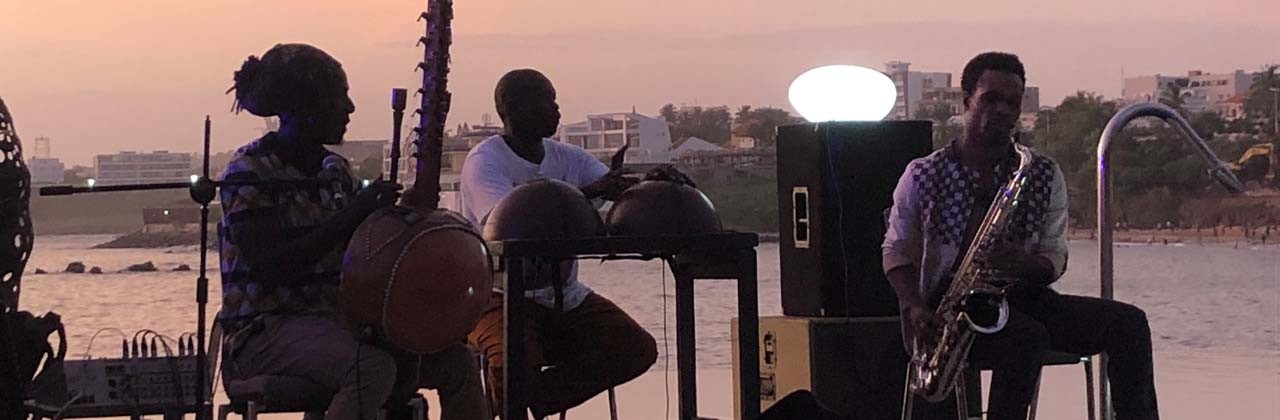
{"type": "Point", "coordinates": [46, 170]}
{"type": "Point", "coordinates": [603, 134]}
{"type": "Point", "coordinates": [1201, 91]}
{"type": "Point", "coordinates": [1027, 121]}
{"type": "Point", "coordinates": [1230, 109]}
{"type": "Point", "coordinates": [694, 145]}
{"type": "Point", "coordinates": [953, 98]}
{"type": "Point", "coordinates": [1030, 99]}
{"type": "Point", "coordinates": [911, 87]}
{"type": "Point", "coordinates": [1208, 90]}
{"type": "Point", "coordinates": [137, 168]}
{"type": "Point", "coordinates": [950, 97]}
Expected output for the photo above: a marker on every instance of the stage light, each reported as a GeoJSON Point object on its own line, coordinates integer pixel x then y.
{"type": "Point", "coordinates": [842, 93]}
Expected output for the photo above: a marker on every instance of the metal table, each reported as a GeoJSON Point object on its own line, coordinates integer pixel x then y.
{"type": "Point", "coordinates": [725, 256]}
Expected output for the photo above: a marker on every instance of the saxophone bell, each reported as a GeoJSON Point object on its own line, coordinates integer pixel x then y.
{"type": "Point", "coordinates": [987, 312]}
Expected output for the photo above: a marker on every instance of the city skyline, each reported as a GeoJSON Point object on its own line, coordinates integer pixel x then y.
{"type": "Point", "coordinates": [100, 77]}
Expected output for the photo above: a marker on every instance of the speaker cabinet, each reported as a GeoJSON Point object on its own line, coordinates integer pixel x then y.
{"type": "Point", "coordinates": [855, 366]}
{"type": "Point", "coordinates": [835, 183]}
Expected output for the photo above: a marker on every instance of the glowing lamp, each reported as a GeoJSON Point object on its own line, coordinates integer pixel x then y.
{"type": "Point", "coordinates": [364, 183]}
{"type": "Point", "coordinates": [194, 179]}
{"type": "Point", "coordinates": [91, 182]}
{"type": "Point", "coordinates": [842, 93]}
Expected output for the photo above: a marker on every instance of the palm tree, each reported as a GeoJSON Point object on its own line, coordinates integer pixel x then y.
{"type": "Point", "coordinates": [1175, 96]}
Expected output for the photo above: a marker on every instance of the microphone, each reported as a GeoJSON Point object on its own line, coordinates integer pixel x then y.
{"type": "Point", "coordinates": [334, 170]}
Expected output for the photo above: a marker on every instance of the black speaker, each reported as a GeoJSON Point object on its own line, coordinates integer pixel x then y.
{"type": "Point", "coordinates": [835, 182]}
{"type": "Point", "coordinates": [853, 367]}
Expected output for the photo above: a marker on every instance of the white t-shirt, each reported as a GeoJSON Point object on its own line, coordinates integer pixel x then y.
{"type": "Point", "coordinates": [492, 170]}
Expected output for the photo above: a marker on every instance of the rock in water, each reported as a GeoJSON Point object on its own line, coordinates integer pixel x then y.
{"type": "Point", "coordinates": [145, 267]}
{"type": "Point", "coordinates": [182, 267]}
{"type": "Point", "coordinates": [95, 270]}
{"type": "Point", "coordinates": [75, 267]}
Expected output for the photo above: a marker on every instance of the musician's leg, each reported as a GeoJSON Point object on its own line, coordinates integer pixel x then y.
{"type": "Point", "coordinates": [594, 347]}
{"type": "Point", "coordinates": [320, 349]}
{"type": "Point", "coordinates": [487, 338]}
{"type": "Point", "coordinates": [1014, 356]}
{"type": "Point", "coordinates": [1087, 325]}
{"type": "Point", "coordinates": [455, 375]}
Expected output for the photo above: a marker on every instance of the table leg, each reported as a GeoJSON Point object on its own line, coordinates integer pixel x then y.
{"type": "Point", "coordinates": [515, 402]}
{"type": "Point", "coordinates": [748, 336]}
{"type": "Point", "coordinates": [686, 363]}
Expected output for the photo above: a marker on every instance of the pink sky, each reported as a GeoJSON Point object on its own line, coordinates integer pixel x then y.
{"type": "Point", "coordinates": [103, 76]}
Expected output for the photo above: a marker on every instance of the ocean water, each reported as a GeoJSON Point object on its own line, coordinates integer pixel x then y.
{"type": "Point", "coordinates": [1198, 298]}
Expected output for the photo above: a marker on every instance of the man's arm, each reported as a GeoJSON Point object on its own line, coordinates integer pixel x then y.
{"type": "Point", "coordinates": [1051, 249]}
{"type": "Point", "coordinates": [254, 225]}
{"type": "Point", "coordinates": [902, 250]}
{"type": "Point", "coordinates": [483, 187]}
{"type": "Point", "coordinates": [904, 243]}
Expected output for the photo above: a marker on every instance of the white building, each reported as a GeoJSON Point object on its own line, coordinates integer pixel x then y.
{"type": "Point", "coordinates": [46, 170]}
{"type": "Point", "coordinates": [1209, 90]}
{"type": "Point", "coordinates": [911, 86]}
{"type": "Point", "coordinates": [1202, 92]}
{"type": "Point", "coordinates": [137, 168]}
{"type": "Point", "coordinates": [603, 134]}
{"type": "Point", "coordinates": [694, 145]}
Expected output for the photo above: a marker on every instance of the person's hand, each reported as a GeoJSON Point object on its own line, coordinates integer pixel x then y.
{"type": "Point", "coordinates": [609, 187]}
{"type": "Point", "coordinates": [1010, 265]}
{"type": "Point", "coordinates": [378, 194]}
{"type": "Point", "coordinates": [923, 322]}
{"type": "Point", "coordinates": [668, 172]}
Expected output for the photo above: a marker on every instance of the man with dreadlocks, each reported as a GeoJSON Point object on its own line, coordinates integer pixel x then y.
{"type": "Point", "coordinates": [282, 251]}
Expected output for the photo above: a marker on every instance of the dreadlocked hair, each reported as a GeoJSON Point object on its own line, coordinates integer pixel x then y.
{"type": "Point", "coordinates": [288, 77]}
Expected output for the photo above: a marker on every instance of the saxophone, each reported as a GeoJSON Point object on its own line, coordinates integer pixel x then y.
{"type": "Point", "coordinates": [969, 303]}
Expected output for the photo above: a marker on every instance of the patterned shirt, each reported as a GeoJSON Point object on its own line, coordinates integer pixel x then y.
{"type": "Point", "coordinates": [935, 198]}
{"type": "Point", "coordinates": [247, 292]}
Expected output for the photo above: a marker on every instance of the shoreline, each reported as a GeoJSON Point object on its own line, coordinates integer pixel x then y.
{"type": "Point", "coordinates": [1228, 236]}
{"type": "Point", "coordinates": [1219, 236]}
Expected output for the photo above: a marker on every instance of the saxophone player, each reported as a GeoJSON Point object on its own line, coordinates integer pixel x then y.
{"type": "Point", "coordinates": [939, 205]}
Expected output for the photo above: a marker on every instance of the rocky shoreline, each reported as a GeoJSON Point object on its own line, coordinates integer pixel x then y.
{"type": "Point", "coordinates": [155, 240]}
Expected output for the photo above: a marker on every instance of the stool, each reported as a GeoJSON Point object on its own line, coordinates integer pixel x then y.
{"type": "Point", "coordinates": [613, 406]}
{"type": "Point", "coordinates": [1053, 358]}
{"type": "Point", "coordinates": [488, 391]}
{"type": "Point", "coordinates": [267, 394]}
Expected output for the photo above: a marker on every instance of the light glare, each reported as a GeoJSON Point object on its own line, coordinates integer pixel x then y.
{"type": "Point", "coordinates": [842, 93]}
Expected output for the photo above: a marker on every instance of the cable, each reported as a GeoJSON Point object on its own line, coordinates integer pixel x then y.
{"type": "Point", "coordinates": [666, 348]}
{"type": "Point", "coordinates": [95, 337]}
{"type": "Point", "coordinates": [58, 415]}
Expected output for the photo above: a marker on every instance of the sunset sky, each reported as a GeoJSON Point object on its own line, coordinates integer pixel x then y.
{"type": "Point", "coordinates": [99, 76]}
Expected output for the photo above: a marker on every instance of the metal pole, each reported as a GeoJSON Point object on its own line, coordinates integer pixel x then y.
{"type": "Point", "coordinates": [202, 287]}
{"type": "Point", "coordinates": [1218, 169]}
